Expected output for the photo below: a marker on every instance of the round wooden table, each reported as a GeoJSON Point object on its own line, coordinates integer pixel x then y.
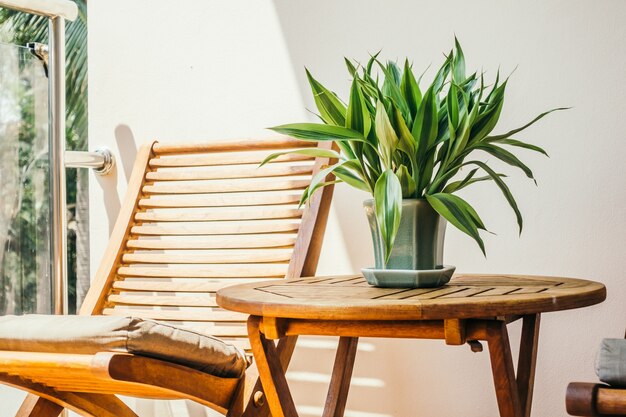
{"type": "Point", "coordinates": [469, 309]}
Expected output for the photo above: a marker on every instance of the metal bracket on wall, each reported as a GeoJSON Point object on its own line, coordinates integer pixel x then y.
{"type": "Point", "coordinates": [101, 160]}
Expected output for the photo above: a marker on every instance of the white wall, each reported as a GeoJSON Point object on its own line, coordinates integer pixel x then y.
{"type": "Point", "coordinates": [198, 70]}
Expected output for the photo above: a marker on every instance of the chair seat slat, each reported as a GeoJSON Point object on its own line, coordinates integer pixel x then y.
{"type": "Point", "coordinates": [255, 157]}
{"type": "Point", "coordinates": [219, 200]}
{"type": "Point", "coordinates": [218, 214]}
{"type": "Point", "coordinates": [211, 256]}
{"type": "Point", "coordinates": [209, 271]}
{"type": "Point", "coordinates": [160, 300]}
{"type": "Point", "coordinates": [224, 186]}
{"type": "Point", "coordinates": [218, 227]}
{"type": "Point", "coordinates": [186, 286]}
{"type": "Point", "coordinates": [214, 242]}
{"type": "Point", "coordinates": [229, 145]}
{"type": "Point", "coordinates": [229, 172]}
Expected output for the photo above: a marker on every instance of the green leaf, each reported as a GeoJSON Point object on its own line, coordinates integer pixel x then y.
{"type": "Point", "coordinates": [507, 157]}
{"type": "Point", "coordinates": [308, 192]}
{"type": "Point", "coordinates": [410, 89]}
{"type": "Point", "coordinates": [426, 172]}
{"type": "Point", "coordinates": [394, 71]}
{"type": "Point", "coordinates": [350, 66]}
{"type": "Point", "coordinates": [318, 179]}
{"type": "Point", "coordinates": [452, 103]}
{"type": "Point", "coordinates": [459, 213]}
{"type": "Point", "coordinates": [520, 144]}
{"type": "Point", "coordinates": [357, 117]}
{"type": "Point", "coordinates": [505, 191]}
{"type": "Point", "coordinates": [519, 129]}
{"type": "Point", "coordinates": [386, 135]}
{"type": "Point", "coordinates": [318, 132]}
{"type": "Point", "coordinates": [407, 183]}
{"type": "Point", "coordinates": [370, 63]}
{"type": "Point", "coordinates": [317, 152]}
{"type": "Point", "coordinates": [487, 120]}
{"type": "Point", "coordinates": [391, 89]}
{"type": "Point", "coordinates": [370, 91]}
{"type": "Point", "coordinates": [426, 123]}
{"type": "Point", "coordinates": [459, 185]}
{"type": "Point", "coordinates": [351, 179]}
{"type": "Point", "coordinates": [442, 74]}
{"type": "Point", "coordinates": [406, 141]}
{"type": "Point", "coordinates": [458, 63]}
{"type": "Point", "coordinates": [346, 149]}
{"type": "Point", "coordinates": [331, 109]}
{"type": "Point", "coordinates": [388, 207]}
{"type": "Point", "coordinates": [443, 176]}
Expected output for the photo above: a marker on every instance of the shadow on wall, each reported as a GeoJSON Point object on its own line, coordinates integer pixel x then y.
{"type": "Point", "coordinates": [348, 207]}
{"type": "Point", "coordinates": [112, 203]}
{"type": "Point", "coordinates": [127, 148]}
{"type": "Point", "coordinates": [125, 158]}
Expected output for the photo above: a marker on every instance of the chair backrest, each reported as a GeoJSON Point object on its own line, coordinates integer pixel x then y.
{"type": "Point", "coordinates": [198, 217]}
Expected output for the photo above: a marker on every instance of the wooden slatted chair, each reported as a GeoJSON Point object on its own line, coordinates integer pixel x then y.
{"type": "Point", "coordinates": [196, 218]}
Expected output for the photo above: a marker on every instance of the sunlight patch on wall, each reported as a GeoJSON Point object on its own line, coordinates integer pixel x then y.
{"type": "Point", "coordinates": [306, 410]}
{"type": "Point", "coordinates": [325, 378]}
{"type": "Point", "coordinates": [332, 345]}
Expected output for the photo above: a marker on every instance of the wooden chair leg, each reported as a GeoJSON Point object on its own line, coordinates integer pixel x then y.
{"type": "Point", "coordinates": [502, 368]}
{"type": "Point", "coordinates": [527, 361]}
{"type": "Point", "coordinates": [34, 406]}
{"type": "Point", "coordinates": [341, 377]}
{"type": "Point", "coordinates": [253, 399]}
{"type": "Point", "coordinates": [88, 405]}
{"type": "Point", "coordinates": [271, 372]}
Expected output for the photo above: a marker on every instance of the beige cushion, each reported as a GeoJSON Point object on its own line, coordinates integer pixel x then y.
{"type": "Point", "coordinates": [93, 334]}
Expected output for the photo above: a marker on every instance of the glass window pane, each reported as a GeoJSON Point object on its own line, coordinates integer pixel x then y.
{"type": "Point", "coordinates": [25, 284]}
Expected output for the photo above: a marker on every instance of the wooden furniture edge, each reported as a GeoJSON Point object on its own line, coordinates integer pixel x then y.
{"type": "Point", "coordinates": [591, 399]}
{"type": "Point", "coordinates": [103, 279]}
{"type": "Point", "coordinates": [314, 219]}
{"type": "Point", "coordinates": [232, 145]}
{"type": "Point", "coordinates": [389, 311]}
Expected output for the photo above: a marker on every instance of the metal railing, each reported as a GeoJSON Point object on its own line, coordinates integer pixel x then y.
{"type": "Point", "coordinates": [101, 160]}
{"type": "Point", "coordinates": [57, 11]}
{"type": "Point", "coordinates": [50, 8]}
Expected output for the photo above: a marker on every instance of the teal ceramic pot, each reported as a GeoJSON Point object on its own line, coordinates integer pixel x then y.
{"type": "Point", "coordinates": [419, 242]}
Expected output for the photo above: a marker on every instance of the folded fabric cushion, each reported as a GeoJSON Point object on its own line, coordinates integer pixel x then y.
{"type": "Point", "coordinates": [93, 334]}
{"type": "Point", "coordinates": [611, 362]}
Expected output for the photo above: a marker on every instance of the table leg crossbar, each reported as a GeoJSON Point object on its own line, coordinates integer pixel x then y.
{"type": "Point", "coordinates": [513, 391]}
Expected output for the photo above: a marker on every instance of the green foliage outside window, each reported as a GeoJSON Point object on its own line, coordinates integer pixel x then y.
{"type": "Point", "coordinates": [19, 262]}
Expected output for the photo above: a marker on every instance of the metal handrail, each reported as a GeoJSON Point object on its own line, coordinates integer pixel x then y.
{"type": "Point", "coordinates": [49, 8]}
{"type": "Point", "coordinates": [57, 11]}
{"type": "Point", "coordinates": [101, 160]}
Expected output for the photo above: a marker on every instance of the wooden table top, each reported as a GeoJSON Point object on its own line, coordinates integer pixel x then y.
{"type": "Point", "coordinates": [465, 296]}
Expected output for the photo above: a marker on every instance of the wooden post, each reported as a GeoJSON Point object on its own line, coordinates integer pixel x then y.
{"type": "Point", "coordinates": [502, 368]}
{"type": "Point", "coordinates": [271, 372]}
{"type": "Point", "coordinates": [527, 361]}
{"type": "Point", "coordinates": [341, 377]}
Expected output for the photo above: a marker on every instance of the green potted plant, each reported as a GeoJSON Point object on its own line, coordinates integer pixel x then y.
{"type": "Point", "coordinates": [410, 149]}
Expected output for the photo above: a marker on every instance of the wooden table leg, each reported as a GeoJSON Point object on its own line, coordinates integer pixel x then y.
{"type": "Point", "coordinates": [254, 398]}
{"type": "Point", "coordinates": [340, 380]}
{"type": "Point", "coordinates": [502, 369]}
{"type": "Point", "coordinates": [271, 372]}
{"type": "Point", "coordinates": [527, 361]}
